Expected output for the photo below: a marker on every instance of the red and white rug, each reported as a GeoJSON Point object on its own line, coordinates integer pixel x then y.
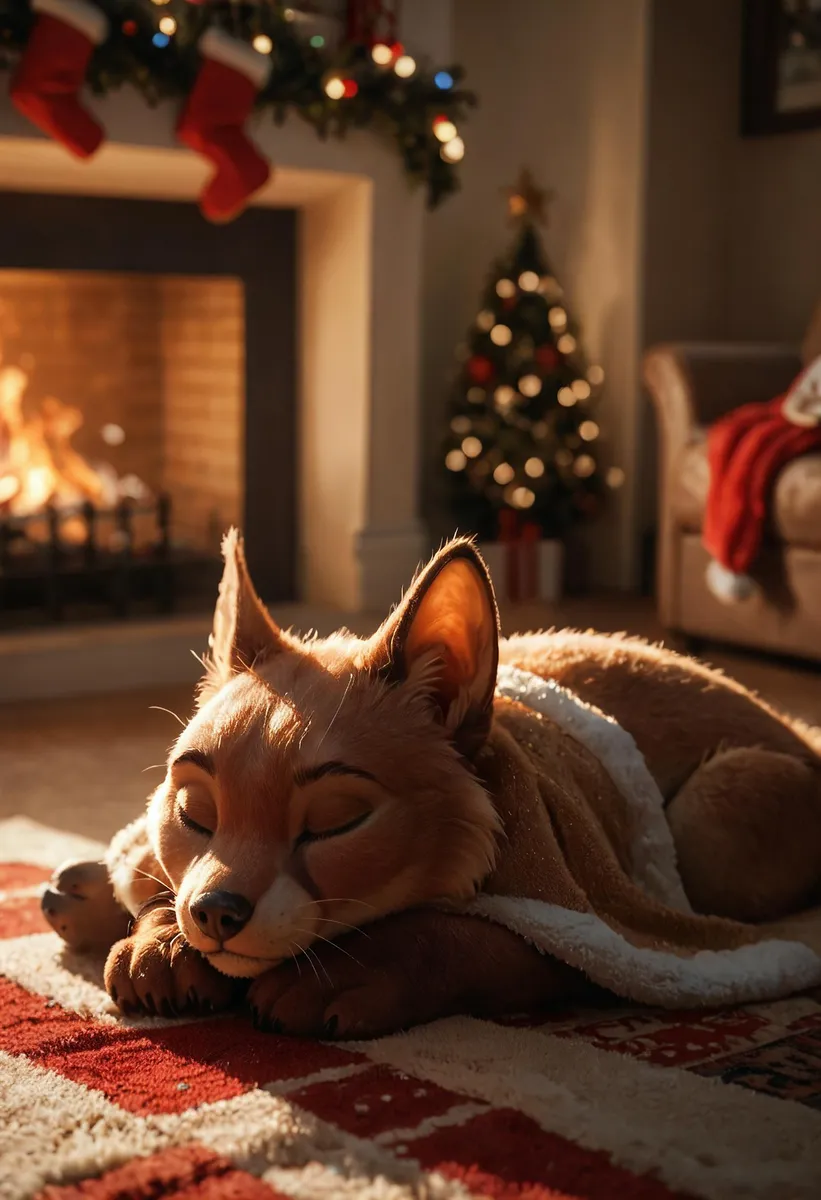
{"type": "Point", "coordinates": [625, 1105]}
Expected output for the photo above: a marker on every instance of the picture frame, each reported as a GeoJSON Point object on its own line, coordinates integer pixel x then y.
{"type": "Point", "coordinates": [781, 66]}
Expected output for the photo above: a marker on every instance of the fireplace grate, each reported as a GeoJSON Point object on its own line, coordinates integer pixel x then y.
{"type": "Point", "coordinates": [120, 558]}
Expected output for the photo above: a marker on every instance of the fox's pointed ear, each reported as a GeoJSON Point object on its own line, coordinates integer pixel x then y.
{"type": "Point", "coordinates": [243, 630]}
{"type": "Point", "coordinates": [445, 637]}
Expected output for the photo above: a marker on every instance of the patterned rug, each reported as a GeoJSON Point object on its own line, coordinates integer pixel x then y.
{"type": "Point", "coordinates": [631, 1104]}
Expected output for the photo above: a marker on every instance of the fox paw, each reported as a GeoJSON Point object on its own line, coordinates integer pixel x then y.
{"type": "Point", "coordinates": [158, 977]}
{"type": "Point", "coordinates": [360, 990]}
{"type": "Point", "coordinates": [79, 904]}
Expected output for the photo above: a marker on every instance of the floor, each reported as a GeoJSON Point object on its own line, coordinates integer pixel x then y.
{"type": "Point", "coordinates": [87, 765]}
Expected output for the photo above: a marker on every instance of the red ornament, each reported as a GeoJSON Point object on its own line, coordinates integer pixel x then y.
{"type": "Point", "coordinates": [351, 88]}
{"type": "Point", "coordinates": [129, 28]}
{"type": "Point", "coordinates": [548, 357]}
{"type": "Point", "coordinates": [480, 369]}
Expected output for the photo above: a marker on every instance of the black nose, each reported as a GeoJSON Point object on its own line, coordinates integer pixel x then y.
{"type": "Point", "coordinates": [221, 914]}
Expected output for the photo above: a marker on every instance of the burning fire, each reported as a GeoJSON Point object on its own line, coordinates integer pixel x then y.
{"type": "Point", "coordinates": [40, 467]}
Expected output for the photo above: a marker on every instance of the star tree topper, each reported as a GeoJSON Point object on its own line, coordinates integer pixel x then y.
{"type": "Point", "coordinates": [526, 200]}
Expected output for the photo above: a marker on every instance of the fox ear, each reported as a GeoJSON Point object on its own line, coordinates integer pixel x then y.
{"type": "Point", "coordinates": [445, 636]}
{"type": "Point", "coordinates": [242, 629]}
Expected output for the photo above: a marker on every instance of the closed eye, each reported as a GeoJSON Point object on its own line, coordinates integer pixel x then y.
{"type": "Point", "coordinates": [307, 836]}
{"type": "Point", "coordinates": [191, 824]}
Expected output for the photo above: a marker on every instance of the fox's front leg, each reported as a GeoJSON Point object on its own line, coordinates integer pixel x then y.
{"type": "Point", "coordinates": [79, 904]}
{"type": "Point", "coordinates": [155, 972]}
{"type": "Point", "coordinates": [408, 969]}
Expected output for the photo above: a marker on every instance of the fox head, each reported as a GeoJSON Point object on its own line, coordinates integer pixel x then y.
{"type": "Point", "coordinates": [325, 783]}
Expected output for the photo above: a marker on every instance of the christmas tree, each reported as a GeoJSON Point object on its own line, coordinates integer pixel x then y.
{"type": "Point", "coordinates": [522, 434]}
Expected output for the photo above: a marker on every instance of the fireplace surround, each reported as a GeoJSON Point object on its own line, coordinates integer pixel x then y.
{"type": "Point", "coordinates": [358, 268]}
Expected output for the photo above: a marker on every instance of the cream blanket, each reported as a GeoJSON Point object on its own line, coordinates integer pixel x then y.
{"type": "Point", "coordinates": [666, 967]}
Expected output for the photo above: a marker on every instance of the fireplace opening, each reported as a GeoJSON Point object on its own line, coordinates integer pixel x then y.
{"type": "Point", "coordinates": [142, 411]}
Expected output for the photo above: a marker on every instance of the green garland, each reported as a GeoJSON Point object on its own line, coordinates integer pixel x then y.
{"type": "Point", "coordinates": [404, 109]}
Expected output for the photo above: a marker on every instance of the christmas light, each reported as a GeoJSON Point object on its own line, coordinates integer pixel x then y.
{"type": "Point", "coordinates": [472, 447]}
{"type": "Point", "coordinates": [566, 397]}
{"type": "Point", "coordinates": [476, 395]}
{"type": "Point", "coordinates": [595, 375]}
{"type": "Point", "coordinates": [129, 28]}
{"type": "Point", "coordinates": [501, 335]}
{"type": "Point", "coordinates": [334, 88]}
{"type": "Point", "coordinates": [443, 80]}
{"type": "Point", "coordinates": [539, 430]}
{"type": "Point", "coordinates": [566, 343]}
{"type": "Point", "coordinates": [588, 431]}
{"type": "Point", "coordinates": [557, 318]}
{"type": "Point", "coordinates": [534, 467]}
{"type": "Point", "coordinates": [444, 129]}
{"type": "Point", "coordinates": [351, 88]}
{"type": "Point", "coordinates": [549, 286]}
{"type": "Point", "coordinates": [614, 477]}
{"type": "Point", "coordinates": [404, 66]}
{"type": "Point", "coordinates": [584, 466]}
{"type": "Point", "coordinates": [485, 320]}
{"type": "Point", "coordinates": [113, 435]}
{"type": "Point", "coordinates": [455, 460]}
{"type": "Point", "coordinates": [160, 3]}
{"type": "Point", "coordinates": [530, 385]}
{"type": "Point", "coordinates": [523, 497]}
{"type": "Point", "coordinates": [381, 54]}
{"type": "Point", "coordinates": [317, 41]}
{"type": "Point", "coordinates": [505, 288]}
{"type": "Point", "coordinates": [262, 43]}
{"type": "Point", "coordinates": [504, 473]}
{"type": "Point", "coordinates": [289, 14]}
{"type": "Point", "coordinates": [460, 424]}
{"type": "Point", "coordinates": [529, 281]}
{"type": "Point", "coordinates": [581, 389]}
{"type": "Point", "coordinates": [168, 25]}
{"type": "Point", "coordinates": [564, 458]}
{"type": "Point", "coordinates": [453, 151]}
{"type": "Point", "coordinates": [161, 40]}
{"type": "Point", "coordinates": [504, 397]}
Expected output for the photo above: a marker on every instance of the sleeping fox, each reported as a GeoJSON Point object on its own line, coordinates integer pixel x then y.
{"type": "Point", "coordinates": [337, 812]}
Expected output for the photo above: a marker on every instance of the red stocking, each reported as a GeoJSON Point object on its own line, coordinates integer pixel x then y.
{"type": "Point", "coordinates": [212, 122]}
{"type": "Point", "coordinates": [46, 84]}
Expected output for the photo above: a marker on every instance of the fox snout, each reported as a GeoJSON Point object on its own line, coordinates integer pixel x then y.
{"type": "Point", "coordinates": [221, 915]}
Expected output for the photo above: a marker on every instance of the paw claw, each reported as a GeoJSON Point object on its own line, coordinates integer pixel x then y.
{"type": "Point", "coordinates": [331, 1026]}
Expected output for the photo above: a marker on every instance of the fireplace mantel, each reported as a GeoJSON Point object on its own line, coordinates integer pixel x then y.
{"type": "Point", "coordinates": [360, 278]}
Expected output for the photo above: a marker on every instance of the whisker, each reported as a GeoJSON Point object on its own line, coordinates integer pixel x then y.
{"type": "Point", "coordinates": [338, 900]}
{"type": "Point", "coordinates": [343, 925]}
{"type": "Point", "coordinates": [176, 716]}
{"type": "Point", "coordinates": [295, 957]}
{"type": "Point", "coordinates": [348, 687]}
{"type": "Point", "coordinates": [153, 767]}
{"type": "Point", "coordinates": [302, 950]}
{"type": "Point", "coordinates": [147, 875]}
{"type": "Point", "coordinates": [313, 954]}
{"type": "Point", "coordinates": [336, 944]}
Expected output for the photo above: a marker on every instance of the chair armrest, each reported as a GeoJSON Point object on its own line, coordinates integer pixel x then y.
{"type": "Point", "coordinates": [692, 384]}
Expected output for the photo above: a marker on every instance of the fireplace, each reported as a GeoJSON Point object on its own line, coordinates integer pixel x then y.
{"type": "Point", "coordinates": [146, 403]}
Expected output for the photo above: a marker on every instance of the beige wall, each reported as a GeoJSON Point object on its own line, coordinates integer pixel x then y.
{"type": "Point", "coordinates": [562, 88]}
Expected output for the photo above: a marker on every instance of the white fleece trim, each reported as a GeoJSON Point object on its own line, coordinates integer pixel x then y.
{"type": "Point", "coordinates": [764, 970]}
{"type": "Point", "coordinates": [216, 44]}
{"type": "Point", "coordinates": [653, 851]}
{"type": "Point", "coordinates": [730, 587]}
{"type": "Point", "coordinates": [85, 18]}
